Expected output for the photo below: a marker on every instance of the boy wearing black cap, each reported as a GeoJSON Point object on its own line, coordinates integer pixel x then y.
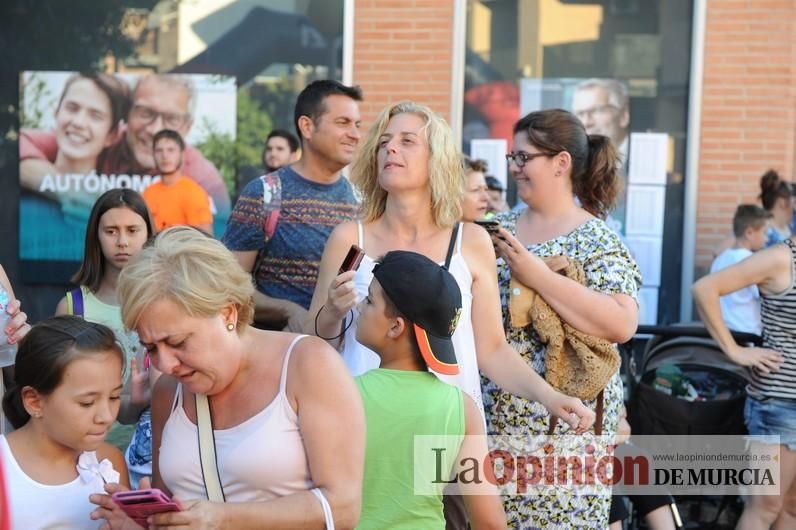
{"type": "Point", "coordinates": [408, 317]}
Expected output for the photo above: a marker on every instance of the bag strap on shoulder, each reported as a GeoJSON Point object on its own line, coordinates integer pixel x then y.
{"type": "Point", "coordinates": [74, 302]}
{"type": "Point", "coordinates": [207, 450]}
{"type": "Point", "coordinates": [272, 202]}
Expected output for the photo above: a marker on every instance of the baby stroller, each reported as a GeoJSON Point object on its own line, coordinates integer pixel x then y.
{"type": "Point", "coordinates": [721, 385]}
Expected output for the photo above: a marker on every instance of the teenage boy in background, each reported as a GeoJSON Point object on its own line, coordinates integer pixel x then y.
{"type": "Point", "coordinates": [176, 199]}
{"type": "Point", "coordinates": [281, 148]}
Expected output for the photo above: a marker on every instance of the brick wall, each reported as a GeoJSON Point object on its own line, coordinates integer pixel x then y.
{"type": "Point", "coordinates": [402, 50]}
{"type": "Point", "coordinates": [748, 110]}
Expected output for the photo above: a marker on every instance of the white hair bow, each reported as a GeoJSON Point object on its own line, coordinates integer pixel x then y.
{"type": "Point", "coordinates": [89, 469]}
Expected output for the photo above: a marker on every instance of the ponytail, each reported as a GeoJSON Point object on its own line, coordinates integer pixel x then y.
{"type": "Point", "coordinates": [772, 188]}
{"type": "Point", "coordinates": [597, 186]}
{"type": "Point", "coordinates": [13, 407]}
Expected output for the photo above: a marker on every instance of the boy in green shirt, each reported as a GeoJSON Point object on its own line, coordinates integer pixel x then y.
{"type": "Point", "coordinates": [408, 318]}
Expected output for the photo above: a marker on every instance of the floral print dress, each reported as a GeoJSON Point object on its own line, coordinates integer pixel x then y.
{"type": "Point", "coordinates": [610, 269]}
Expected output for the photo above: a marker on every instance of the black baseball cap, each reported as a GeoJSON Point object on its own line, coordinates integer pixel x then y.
{"type": "Point", "coordinates": [492, 183]}
{"type": "Point", "coordinates": [428, 295]}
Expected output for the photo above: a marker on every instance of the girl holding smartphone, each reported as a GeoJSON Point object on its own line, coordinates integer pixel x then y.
{"type": "Point", "coordinates": [64, 401]}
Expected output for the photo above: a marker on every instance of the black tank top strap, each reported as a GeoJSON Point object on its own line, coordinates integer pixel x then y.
{"type": "Point", "coordinates": [451, 245]}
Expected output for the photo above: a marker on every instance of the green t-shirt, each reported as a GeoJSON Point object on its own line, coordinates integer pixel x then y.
{"type": "Point", "coordinates": [400, 404]}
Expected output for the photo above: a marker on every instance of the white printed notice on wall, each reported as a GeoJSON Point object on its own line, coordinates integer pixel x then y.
{"type": "Point", "coordinates": [649, 158]}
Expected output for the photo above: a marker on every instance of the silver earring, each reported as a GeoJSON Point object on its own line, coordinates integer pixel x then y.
{"type": "Point", "coordinates": [230, 326]}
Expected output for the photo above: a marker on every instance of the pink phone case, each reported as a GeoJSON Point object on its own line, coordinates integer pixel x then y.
{"type": "Point", "coordinates": [140, 504]}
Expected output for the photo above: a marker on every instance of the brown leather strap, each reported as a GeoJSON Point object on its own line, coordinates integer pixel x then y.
{"type": "Point", "coordinates": [551, 428]}
{"type": "Point", "coordinates": [598, 417]}
{"type": "Point", "coordinates": [598, 414]}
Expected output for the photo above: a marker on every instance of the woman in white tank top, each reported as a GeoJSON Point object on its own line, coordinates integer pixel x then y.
{"type": "Point", "coordinates": [410, 174]}
{"type": "Point", "coordinates": [287, 419]}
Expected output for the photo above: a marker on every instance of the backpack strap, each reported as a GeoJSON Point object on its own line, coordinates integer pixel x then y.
{"type": "Point", "coordinates": [451, 246]}
{"type": "Point", "coordinates": [74, 302]}
{"type": "Point", "coordinates": [272, 202]}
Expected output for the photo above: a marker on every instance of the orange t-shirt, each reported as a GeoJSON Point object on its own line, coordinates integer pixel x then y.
{"type": "Point", "coordinates": [182, 203]}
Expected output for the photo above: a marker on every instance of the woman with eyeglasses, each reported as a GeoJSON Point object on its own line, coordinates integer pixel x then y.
{"type": "Point", "coordinates": [569, 181]}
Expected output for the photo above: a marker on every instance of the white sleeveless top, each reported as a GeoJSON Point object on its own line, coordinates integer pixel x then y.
{"type": "Point", "coordinates": [261, 459]}
{"type": "Point", "coordinates": [36, 506]}
{"type": "Point", "coordinates": [360, 359]}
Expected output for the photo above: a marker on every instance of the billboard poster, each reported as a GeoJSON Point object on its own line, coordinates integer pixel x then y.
{"type": "Point", "coordinates": [83, 134]}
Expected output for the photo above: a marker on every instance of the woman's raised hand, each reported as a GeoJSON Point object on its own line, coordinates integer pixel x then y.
{"type": "Point", "coordinates": [523, 264]}
{"type": "Point", "coordinates": [17, 326]}
{"type": "Point", "coordinates": [342, 295]}
{"type": "Point", "coordinates": [140, 394]}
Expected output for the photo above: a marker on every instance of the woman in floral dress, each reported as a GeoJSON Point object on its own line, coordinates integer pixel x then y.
{"type": "Point", "coordinates": [569, 181]}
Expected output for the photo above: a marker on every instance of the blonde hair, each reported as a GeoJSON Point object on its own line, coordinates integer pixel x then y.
{"type": "Point", "coordinates": [189, 268]}
{"type": "Point", "coordinates": [445, 167]}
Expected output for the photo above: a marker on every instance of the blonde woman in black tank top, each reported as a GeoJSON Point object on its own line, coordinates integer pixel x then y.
{"type": "Point", "coordinates": [771, 403]}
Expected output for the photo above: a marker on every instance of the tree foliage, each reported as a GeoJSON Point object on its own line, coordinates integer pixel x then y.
{"type": "Point", "coordinates": [254, 124]}
{"type": "Point", "coordinates": [229, 155]}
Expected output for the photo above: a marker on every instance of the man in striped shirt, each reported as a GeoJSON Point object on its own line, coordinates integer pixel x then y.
{"type": "Point", "coordinates": [281, 221]}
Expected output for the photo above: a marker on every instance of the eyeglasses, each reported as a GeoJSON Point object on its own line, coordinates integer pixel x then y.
{"type": "Point", "coordinates": [590, 112]}
{"type": "Point", "coordinates": [171, 120]}
{"type": "Point", "coordinates": [520, 158]}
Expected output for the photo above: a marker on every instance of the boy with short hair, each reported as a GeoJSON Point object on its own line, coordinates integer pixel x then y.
{"type": "Point", "coordinates": [741, 309]}
{"type": "Point", "coordinates": [281, 149]}
{"type": "Point", "coordinates": [408, 317]}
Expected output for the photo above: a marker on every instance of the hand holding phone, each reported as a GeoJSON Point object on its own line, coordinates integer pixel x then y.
{"type": "Point", "coordinates": [490, 225]}
{"type": "Point", "coordinates": [140, 504]}
{"type": "Point", "coordinates": [352, 259]}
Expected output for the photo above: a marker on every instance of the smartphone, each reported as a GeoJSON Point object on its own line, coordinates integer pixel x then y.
{"type": "Point", "coordinates": [490, 225]}
{"type": "Point", "coordinates": [352, 259]}
{"type": "Point", "coordinates": [140, 504]}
